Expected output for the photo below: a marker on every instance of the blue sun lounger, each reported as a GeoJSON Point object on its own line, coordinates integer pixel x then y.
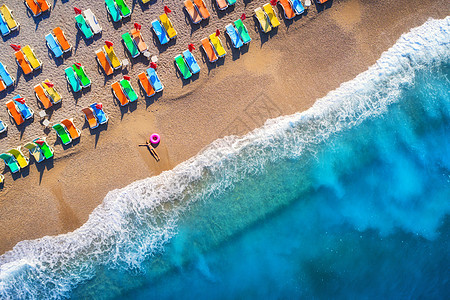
{"type": "Point", "coordinates": [191, 62]}
{"type": "Point", "coordinates": [53, 45]}
{"type": "Point", "coordinates": [7, 79]}
{"type": "Point", "coordinates": [3, 126]}
{"type": "Point", "coordinates": [11, 162]}
{"type": "Point", "coordinates": [154, 80]}
{"type": "Point", "coordinates": [234, 36]}
{"type": "Point", "coordinates": [4, 29]}
{"type": "Point", "coordinates": [160, 32]}
{"type": "Point", "coordinates": [26, 112]}
{"type": "Point", "coordinates": [297, 7]}
{"type": "Point", "coordinates": [99, 114]}
{"type": "Point", "coordinates": [113, 10]}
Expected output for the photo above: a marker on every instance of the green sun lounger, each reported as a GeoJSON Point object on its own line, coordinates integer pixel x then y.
{"type": "Point", "coordinates": [242, 30]}
{"type": "Point", "coordinates": [46, 149]}
{"type": "Point", "coordinates": [128, 90]}
{"type": "Point", "coordinates": [113, 10]}
{"type": "Point", "coordinates": [11, 162]}
{"type": "Point", "coordinates": [72, 79]}
{"type": "Point", "coordinates": [62, 133]}
{"type": "Point", "coordinates": [123, 7]}
{"type": "Point", "coordinates": [84, 27]}
{"type": "Point", "coordinates": [183, 67]}
{"type": "Point", "coordinates": [84, 79]}
{"type": "Point", "coordinates": [130, 45]}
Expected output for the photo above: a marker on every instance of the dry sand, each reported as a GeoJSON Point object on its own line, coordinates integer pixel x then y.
{"type": "Point", "coordinates": [277, 74]}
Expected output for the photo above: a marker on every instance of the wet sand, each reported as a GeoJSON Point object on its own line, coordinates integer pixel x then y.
{"type": "Point", "coordinates": [279, 73]}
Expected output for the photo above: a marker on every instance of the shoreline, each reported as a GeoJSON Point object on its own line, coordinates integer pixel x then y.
{"type": "Point", "coordinates": [58, 197]}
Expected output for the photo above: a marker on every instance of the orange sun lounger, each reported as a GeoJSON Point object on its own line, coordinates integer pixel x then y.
{"type": "Point", "coordinates": [192, 11]}
{"type": "Point", "coordinates": [14, 113]}
{"type": "Point", "coordinates": [89, 114]}
{"type": "Point", "coordinates": [118, 92]}
{"type": "Point", "coordinates": [35, 9]}
{"type": "Point", "coordinates": [206, 45]}
{"type": "Point", "coordinates": [42, 96]}
{"type": "Point", "coordinates": [287, 8]}
{"type": "Point", "coordinates": [137, 37]}
{"type": "Point", "coordinates": [21, 61]}
{"type": "Point", "coordinates": [63, 42]}
{"type": "Point", "coordinates": [145, 84]}
{"type": "Point", "coordinates": [43, 5]}
{"type": "Point", "coordinates": [101, 58]}
{"type": "Point", "coordinates": [2, 86]}
{"type": "Point", "coordinates": [73, 131]}
{"type": "Point", "coordinates": [202, 8]}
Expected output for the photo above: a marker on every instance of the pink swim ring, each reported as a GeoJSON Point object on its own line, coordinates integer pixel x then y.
{"type": "Point", "coordinates": [155, 139]}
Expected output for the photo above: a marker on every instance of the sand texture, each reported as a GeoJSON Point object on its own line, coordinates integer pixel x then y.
{"type": "Point", "coordinates": [278, 73]}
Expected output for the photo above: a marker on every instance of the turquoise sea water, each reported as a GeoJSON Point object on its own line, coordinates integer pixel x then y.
{"type": "Point", "coordinates": [347, 200]}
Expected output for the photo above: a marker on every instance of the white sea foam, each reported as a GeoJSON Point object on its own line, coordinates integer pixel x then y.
{"type": "Point", "coordinates": [136, 222]}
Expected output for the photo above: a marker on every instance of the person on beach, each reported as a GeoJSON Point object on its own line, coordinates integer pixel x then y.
{"type": "Point", "coordinates": [151, 149]}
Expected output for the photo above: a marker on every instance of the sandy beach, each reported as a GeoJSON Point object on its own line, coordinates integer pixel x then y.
{"type": "Point", "coordinates": [278, 73]}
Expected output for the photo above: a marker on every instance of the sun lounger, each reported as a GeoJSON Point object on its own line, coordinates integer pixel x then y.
{"type": "Point", "coordinates": [20, 158]}
{"type": "Point", "coordinates": [154, 80]}
{"type": "Point", "coordinates": [42, 96]}
{"type": "Point", "coordinates": [123, 8]}
{"type": "Point", "coordinates": [192, 11]}
{"type": "Point", "coordinates": [263, 20]}
{"type": "Point", "coordinates": [71, 129]}
{"type": "Point", "coordinates": [112, 57]}
{"type": "Point", "coordinates": [35, 151]}
{"type": "Point", "coordinates": [72, 80]}
{"type": "Point", "coordinates": [11, 162]}
{"type": "Point", "coordinates": [145, 84]}
{"type": "Point", "coordinates": [130, 45]}
{"type": "Point", "coordinates": [128, 90]}
{"type": "Point", "coordinates": [84, 27]}
{"type": "Point", "coordinates": [234, 36]}
{"type": "Point", "coordinates": [242, 30]}
{"type": "Point", "coordinates": [92, 21]}
{"type": "Point", "coordinates": [7, 79]}
{"type": "Point", "coordinates": [4, 29]}
{"type": "Point", "coordinates": [103, 62]}
{"type": "Point", "coordinates": [231, 2]}
{"type": "Point", "coordinates": [43, 5]}
{"type": "Point", "coordinates": [113, 10]}
{"type": "Point", "coordinates": [3, 126]}
{"type": "Point", "coordinates": [222, 4]}
{"type": "Point", "coordinates": [168, 26]}
{"type": "Point", "coordinates": [90, 117]}
{"type": "Point", "coordinates": [271, 15]}
{"type": "Point", "coordinates": [182, 67]}
{"type": "Point", "coordinates": [119, 94]}
{"type": "Point", "coordinates": [207, 47]}
{"type": "Point", "coordinates": [33, 7]}
{"type": "Point", "coordinates": [191, 62]}
{"type": "Point", "coordinates": [23, 63]}
{"type": "Point", "coordinates": [289, 13]}
{"type": "Point", "coordinates": [26, 112]}
{"type": "Point", "coordinates": [2, 85]}
{"type": "Point", "coordinates": [9, 18]}
{"type": "Point", "coordinates": [202, 9]}
{"type": "Point", "coordinates": [160, 32]}
{"type": "Point", "coordinates": [139, 41]}
{"type": "Point", "coordinates": [63, 42]}
{"type": "Point", "coordinates": [81, 74]}
{"type": "Point", "coordinates": [99, 114]}
{"type": "Point", "coordinates": [46, 149]}
{"type": "Point", "coordinates": [52, 92]}
{"type": "Point", "coordinates": [53, 45]}
{"type": "Point", "coordinates": [14, 112]}
{"type": "Point", "coordinates": [62, 133]}
{"type": "Point", "coordinates": [297, 6]}
{"type": "Point", "coordinates": [35, 63]}
{"type": "Point", "coordinates": [217, 43]}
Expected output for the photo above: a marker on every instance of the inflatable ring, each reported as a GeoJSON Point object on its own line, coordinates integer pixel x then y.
{"type": "Point", "coordinates": [155, 139]}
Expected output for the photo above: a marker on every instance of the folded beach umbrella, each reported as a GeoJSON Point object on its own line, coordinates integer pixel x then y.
{"type": "Point", "coordinates": [15, 47]}
{"type": "Point", "coordinates": [153, 65]}
{"type": "Point", "coordinates": [109, 44]}
{"type": "Point", "coordinates": [167, 9]}
{"type": "Point", "coordinates": [191, 47]}
{"type": "Point", "coordinates": [137, 26]}
{"type": "Point", "coordinates": [77, 11]}
{"type": "Point", "coordinates": [243, 17]}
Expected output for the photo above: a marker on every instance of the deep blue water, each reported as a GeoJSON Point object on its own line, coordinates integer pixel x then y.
{"type": "Point", "coordinates": [347, 200]}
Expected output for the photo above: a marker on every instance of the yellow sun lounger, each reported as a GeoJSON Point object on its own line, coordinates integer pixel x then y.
{"type": "Point", "coordinates": [217, 43]}
{"type": "Point", "coordinates": [21, 159]}
{"type": "Point", "coordinates": [171, 32]}
{"type": "Point", "coordinates": [262, 19]}
{"type": "Point", "coordinates": [271, 14]}
{"type": "Point", "coordinates": [7, 14]}
{"type": "Point", "coordinates": [113, 59]}
{"type": "Point", "coordinates": [51, 91]}
{"type": "Point", "coordinates": [31, 57]}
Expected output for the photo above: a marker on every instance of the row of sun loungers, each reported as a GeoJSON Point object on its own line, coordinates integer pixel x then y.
{"type": "Point", "coordinates": [117, 9]}
{"type": "Point", "coordinates": [27, 60]}
{"type": "Point", "coordinates": [7, 21]}
{"type": "Point", "coordinates": [46, 94]}
{"type": "Point", "coordinates": [77, 77]}
{"type": "Point", "coordinates": [197, 11]}
{"type": "Point", "coordinates": [187, 64]}
{"type": "Point", "coordinates": [18, 110]}
{"type": "Point", "coordinates": [108, 59]}
{"type": "Point", "coordinates": [164, 29]}
{"type": "Point", "coordinates": [67, 131]}
{"type": "Point", "coordinates": [57, 42]}
{"type": "Point", "coordinates": [37, 6]}
{"type": "Point", "coordinates": [16, 160]}
{"type": "Point", "coordinates": [95, 115]}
